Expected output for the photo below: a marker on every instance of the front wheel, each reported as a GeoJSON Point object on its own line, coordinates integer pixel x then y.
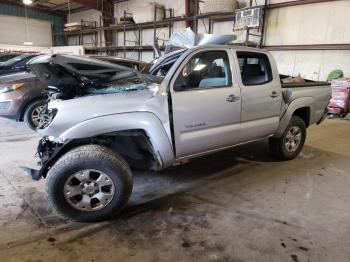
{"type": "Point", "coordinates": [292, 141]}
{"type": "Point", "coordinates": [35, 114]}
{"type": "Point", "coordinates": [89, 183]}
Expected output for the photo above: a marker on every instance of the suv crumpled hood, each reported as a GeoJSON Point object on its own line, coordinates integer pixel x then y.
{"type": "Point", "coordinates": [72, 74]}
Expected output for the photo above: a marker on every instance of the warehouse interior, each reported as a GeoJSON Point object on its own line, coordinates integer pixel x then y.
{"type": "Point", "coordinates": [189, 130]}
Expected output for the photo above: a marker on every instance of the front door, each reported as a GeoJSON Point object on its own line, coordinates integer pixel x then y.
{"type": "Point", "coordinates": [206, 102]}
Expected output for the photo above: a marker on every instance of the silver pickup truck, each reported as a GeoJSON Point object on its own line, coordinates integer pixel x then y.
{"type": "Point", "coordinates": [108, 119]}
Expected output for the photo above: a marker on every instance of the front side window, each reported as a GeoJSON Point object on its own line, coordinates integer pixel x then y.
{"type": "Point", "coordinates": [255, 68]}
{"type": "Point", "coordinates": [205, 70]}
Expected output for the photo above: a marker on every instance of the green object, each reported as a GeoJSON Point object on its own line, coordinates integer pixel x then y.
{"type": "Point", "coordinates": [335, 74]}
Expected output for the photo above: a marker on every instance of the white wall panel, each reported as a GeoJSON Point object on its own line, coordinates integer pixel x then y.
{"type": "Point", "coordinates": [314, 65]}
{"type": "Point", "coordinates": [13, 31]}
{"type": "Point", "coordinates": [135, 6]}
{"type": "Point", "coordinates": [322, 23]}
{"type": "Point", "coordinates": [88, 40]}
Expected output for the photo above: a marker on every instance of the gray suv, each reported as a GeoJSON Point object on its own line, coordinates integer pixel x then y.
{"type": "Point", "coordinates": [16, 64]}
{"type": "Point", "coordinates": [22, 98]}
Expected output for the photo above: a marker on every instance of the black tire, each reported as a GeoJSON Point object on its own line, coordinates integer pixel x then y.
{"type": "Point", "coordinates": [28, 113]}
{"type": "Point", "coordinates": [94, 157]}
{"type": "Point", "coordinates": [278, 146]}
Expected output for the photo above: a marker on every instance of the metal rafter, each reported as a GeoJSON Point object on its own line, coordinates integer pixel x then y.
{"type": "Point", "coordinates": [34, 8]}
{"type": "Point", "coordinates": [297, 2]}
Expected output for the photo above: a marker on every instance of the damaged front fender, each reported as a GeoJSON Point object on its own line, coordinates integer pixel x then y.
{"type": "Point", "coordinates": [48, 151]}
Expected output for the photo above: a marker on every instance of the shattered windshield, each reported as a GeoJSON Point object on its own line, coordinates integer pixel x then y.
{"type": "Point", "coordinates": [123, 85]}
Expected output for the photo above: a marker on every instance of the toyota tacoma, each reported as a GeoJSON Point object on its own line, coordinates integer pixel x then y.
{"type": "Point", "coordinates": [108, 119]}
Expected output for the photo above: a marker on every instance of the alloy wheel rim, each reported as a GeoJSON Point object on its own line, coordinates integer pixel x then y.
{"type": "Point", "coordinates": [89, 190]}
{"type": "Point", "coordinates": [40, 117]}
{"type": "Point", "coordinates": [293, 139]}
{"type": "Point", "coordinates": [36, 115]}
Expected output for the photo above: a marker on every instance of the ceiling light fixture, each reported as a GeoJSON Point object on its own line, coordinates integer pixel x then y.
{"type": "Point", "coordinates": [27, 42]}
{"type": "Point", "coordinates": [27, 2]}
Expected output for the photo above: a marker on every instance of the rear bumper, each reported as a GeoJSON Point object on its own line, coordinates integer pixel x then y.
{"type": "Point", "coordinates": [325, 114]}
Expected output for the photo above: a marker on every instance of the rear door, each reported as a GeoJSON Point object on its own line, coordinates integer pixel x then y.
{"type": "Point", "coordinates": [206, 102]}
{"type": "Point", "coordinates": [261, 94]}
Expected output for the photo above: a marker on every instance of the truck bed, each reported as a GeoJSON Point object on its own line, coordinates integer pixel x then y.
{"type": "Point", "coordinates": [318, 92]}
{"type": "Point", "coordinates": [308, 83]}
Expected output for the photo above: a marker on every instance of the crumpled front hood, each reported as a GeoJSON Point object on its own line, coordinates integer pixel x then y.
{"type": "Point", "coordinates": [72, 112]}
{"type": "Point", "coordinates": [71, 74]}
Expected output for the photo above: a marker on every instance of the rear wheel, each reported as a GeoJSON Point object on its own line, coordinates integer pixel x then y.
{"type": "Point", "coordinates": [89, 183]}
{"type": "Point", "coordinates": [292, 141]}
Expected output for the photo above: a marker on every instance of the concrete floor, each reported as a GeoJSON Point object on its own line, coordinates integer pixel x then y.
{"type": "Point", "coordinates": [239, 205]}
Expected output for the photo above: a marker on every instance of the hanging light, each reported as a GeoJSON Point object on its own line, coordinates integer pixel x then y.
{"type": "Point", "coordinates": [27, 42]}
{"type": "Point", "coordinates": [27, 2]}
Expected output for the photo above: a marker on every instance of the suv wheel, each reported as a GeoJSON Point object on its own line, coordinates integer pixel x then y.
{"type": "Point", "coordinates": [292, 141]}
{"type": "Point", "coordinates": [34, 114]}
{"type": "Point", "coordinates": [89, 183]}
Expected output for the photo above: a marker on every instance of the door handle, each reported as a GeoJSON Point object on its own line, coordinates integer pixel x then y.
{"type": "Point", "coordinates": [232, 98]}
{"type": "Point", "coordinates": [274, 94]}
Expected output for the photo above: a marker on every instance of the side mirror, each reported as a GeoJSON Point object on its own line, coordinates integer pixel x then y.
{"type": "Point", "coordinates": [179, 87]}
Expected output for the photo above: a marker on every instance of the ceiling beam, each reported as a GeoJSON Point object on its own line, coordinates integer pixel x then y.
{"type": "Point", "coordinates": [295, 3]}
{"type": "Point", "coordinates": [95, 4]}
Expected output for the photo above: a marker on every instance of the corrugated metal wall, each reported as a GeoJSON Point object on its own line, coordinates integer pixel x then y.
{"type": "Point", "coordinates": [57, 21]}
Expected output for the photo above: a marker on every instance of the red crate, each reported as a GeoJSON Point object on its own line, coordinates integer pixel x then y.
{"type": "Point", "coordinates": [340, 101]}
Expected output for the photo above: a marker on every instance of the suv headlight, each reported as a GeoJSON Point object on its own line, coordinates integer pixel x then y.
{"type": "Point", "coordinates": [10, 87]}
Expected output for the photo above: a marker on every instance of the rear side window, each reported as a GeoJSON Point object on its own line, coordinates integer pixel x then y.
{"type": "Point", "coordinates": [255, 68]}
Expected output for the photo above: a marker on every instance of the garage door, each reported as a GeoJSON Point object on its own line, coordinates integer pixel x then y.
{"type": "Point", "coordinates": [13, 31]}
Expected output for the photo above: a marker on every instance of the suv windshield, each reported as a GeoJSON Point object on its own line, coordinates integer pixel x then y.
{"type": "Point", "coordinates": [22, 58]}
{"type": "Point", "coordinates": [7, 57]}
